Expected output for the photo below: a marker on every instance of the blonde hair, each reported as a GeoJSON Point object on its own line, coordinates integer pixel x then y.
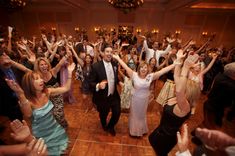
{"type": "Point", "coordinates": [141, 65]}
{"type": "Point", "coordinates": [36, 64]}
{"type": "Point", "coordinates": [192, 92]}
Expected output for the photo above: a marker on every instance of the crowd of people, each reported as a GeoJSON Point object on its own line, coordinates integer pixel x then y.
{"type": "Point", "coordinates": [36, 76]}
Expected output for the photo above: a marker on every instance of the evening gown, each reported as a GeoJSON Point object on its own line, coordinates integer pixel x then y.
{"type": "Point", "coordinates": [58, 102]}
{"type": "Point", "coordinates": [139, 104]}
{"type": "Point", "coordinates": [45, 126]}
{"type": "Point", "coordinates": [164, 137]}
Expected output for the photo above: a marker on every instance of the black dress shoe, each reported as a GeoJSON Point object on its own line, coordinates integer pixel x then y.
{"type": "Point", "coordinates": [112, 131]}
{"type": "Point", "coordinates": [105, 128]}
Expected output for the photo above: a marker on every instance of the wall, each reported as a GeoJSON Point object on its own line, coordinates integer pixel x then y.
{"type": "Point", "coordinates": [191, 22]}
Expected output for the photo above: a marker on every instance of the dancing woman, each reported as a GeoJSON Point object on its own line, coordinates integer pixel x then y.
{"type": "Point", "coordinates": [177, 110]}
{"type": "Point", "coordinates": [34, 102]}
{"type": "Point", "coordinates": [140, 95]}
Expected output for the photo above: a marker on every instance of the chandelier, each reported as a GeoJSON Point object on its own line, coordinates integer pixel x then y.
{"type": "Point", "coordinates": [13, 4]}
{"type": "Point", "coordinates": [126, 5]}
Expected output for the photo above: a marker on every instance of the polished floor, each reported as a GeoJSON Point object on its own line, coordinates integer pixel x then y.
{"type": "Point", "coordinates": [87, 138]}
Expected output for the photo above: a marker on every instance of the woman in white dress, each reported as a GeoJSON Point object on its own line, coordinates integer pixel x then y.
{"type": "Point", "coordinates": [140, 95]}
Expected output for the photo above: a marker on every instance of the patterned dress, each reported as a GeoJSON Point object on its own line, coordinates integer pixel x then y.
{"type": "Point", "coordinates": [58, 102]}
{"type": "Point", "coordinates": [126, 93]}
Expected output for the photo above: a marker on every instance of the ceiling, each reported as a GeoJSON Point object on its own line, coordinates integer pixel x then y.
{"type": "Point", "coordinates": [166, 4]}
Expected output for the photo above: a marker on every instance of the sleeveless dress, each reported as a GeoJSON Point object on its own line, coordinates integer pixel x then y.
{"type": "Point", "coordinates": [58, 102]}
{"type": "Point", "coordinates": [139, 104]}
{"type": "Point", "coordinates": [68, 96]}
{"type": "Point", "coordinates": [45, 126]}
{"type": "Point", "coordinates": [131, 63]}
{"type": "Point", "coordinates": [126, 93]}
{"type": "Point", "coordinates": [164, 137]}
{"type": "Point", "coordinates": [85, 88]}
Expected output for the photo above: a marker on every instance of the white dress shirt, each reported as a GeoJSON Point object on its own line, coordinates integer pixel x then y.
{"type": "Point", "coordinates": [110, 76]}
{"type": "Point", "coordinates": [89, 50]}
{"type": "Point", "coordinates": [159, 53]}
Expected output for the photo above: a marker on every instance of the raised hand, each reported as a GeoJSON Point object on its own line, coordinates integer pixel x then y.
{"type": "Point", "coordinates": [169, 40]}
{"type": "Point", "coordinates": [180, 54]}
{"type": "Point", "coordinates": [23, 47]}
{"type": "Point", "coordinates": [10, 31]}
{"type": "Point", "coordinates": [59, 43]}
{"type": "Point", "coordinates": [214, 55]}
{"type": "Point", "coordinates": [191, 60]}
{"type": "Point", "coordinates": [192, 42]}
{"type": "Point", "coordinates": [20, 130]}
{"type": "Point", "coordinates": [14, 86]}
{"type": "Point", "coordinates": [142, 36]}
{"type": "Point", "coordinates": [183, 138]}
{"type": "Point", "coordinates": [116, 57]}
{"type": "Point", "coordinates": [24, 41]}
{"type": "Point", "coordinates": [32, 58]}
{"type": "Point", "coordinates": [37, 148]}
{"type": "Point", "coordinates": [71, 67]}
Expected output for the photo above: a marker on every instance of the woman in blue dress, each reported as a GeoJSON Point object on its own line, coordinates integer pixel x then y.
{"type": "Point", "coordinates": [34, 102]}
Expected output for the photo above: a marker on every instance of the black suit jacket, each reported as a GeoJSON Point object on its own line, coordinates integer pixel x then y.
{"type": "Point", "coordinates": [97, 75]}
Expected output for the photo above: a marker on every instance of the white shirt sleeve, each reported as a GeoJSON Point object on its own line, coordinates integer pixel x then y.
{"type": "Point", "coordinates": [97, 87]}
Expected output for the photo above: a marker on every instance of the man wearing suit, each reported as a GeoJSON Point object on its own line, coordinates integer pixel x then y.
{"type": "Point", "coordinates": [103, 80]}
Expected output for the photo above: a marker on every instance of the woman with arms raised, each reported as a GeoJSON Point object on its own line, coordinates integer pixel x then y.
{"type": "Point", "coordinates": [140, 95]}
{"type": "Point", "coordinates": [177, 109]}
{"type": "Point", "coordinates": [34, 102]}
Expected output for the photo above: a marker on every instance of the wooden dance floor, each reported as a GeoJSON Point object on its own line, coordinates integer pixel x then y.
{"type": "Point", "coordinates": [87, 137]}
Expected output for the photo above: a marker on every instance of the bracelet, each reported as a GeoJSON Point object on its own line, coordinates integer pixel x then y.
{"type": "Point", "coordinates": [184, 76]}
{"type": "Point", "coordinates": [177, 62]}
{"type": "Point", "coordinates": [23, 103]}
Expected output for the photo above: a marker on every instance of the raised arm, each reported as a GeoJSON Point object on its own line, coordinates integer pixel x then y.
{"type": "Point", "coordinates": [123, 64]}
{"type": "Point", "coordinates": [214, 56]}
{"type": "Point", "coordinates": [178, 63]}
{"type": "Point", "coordinates": [79, 60]}
{"type": "Point", "coordinates": [53, 53]}
{"type": "Point", "coordinates": [9, 45]}
{"type": "Point", "coordinates": [166, 51]}
{"type": "Point", "coordinates": [56, 69]}
{"type": "Point", "coordinates": [141, 55]}
{"type": "Point", "coordinates": [181, 81]}
{"type": "Point", "coordinates": [25, 104]}
{"type": "Point", "coordinates": [20, 66]}
{"type": "Point", "coordinates": [159, 73]}
{"type": "Point", "coordinates": [66, 87]}
{"type": "Point", "coordinates": [203, 46]}
{"type": "Point", "coordinates": [145, 45]}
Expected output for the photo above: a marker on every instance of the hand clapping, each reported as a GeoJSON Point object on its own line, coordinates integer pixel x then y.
{"type": "Point", "coordinates": [20, 130]}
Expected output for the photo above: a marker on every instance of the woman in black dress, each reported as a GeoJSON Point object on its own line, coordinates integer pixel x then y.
{"type": "Point", "coordinates": [177, 110]}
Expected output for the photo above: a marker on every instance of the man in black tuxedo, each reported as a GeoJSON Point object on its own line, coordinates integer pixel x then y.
{"type": "Point", "coordinates": [103, 80]}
